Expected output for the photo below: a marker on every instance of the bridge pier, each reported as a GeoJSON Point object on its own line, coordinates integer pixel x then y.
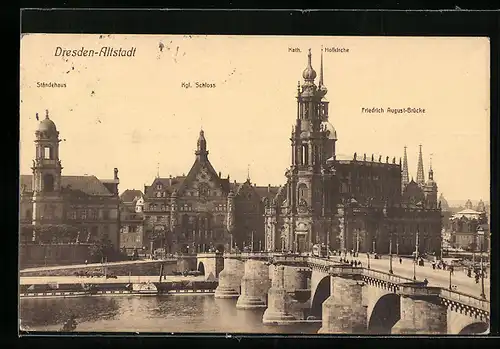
{"type": "Point", "coordinates": [343, 311]}
{"type": "Point", "coordinates": [254, 285]}
{"type": "Point", "coordinates": [230, 278]}
{"type": "Point", "coordinates": [278, 301]}
{"type": "Point", "coordinates": [421, 311]}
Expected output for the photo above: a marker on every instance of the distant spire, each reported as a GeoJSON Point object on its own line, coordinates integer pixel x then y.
{"type": "Point", "coordinates": [46, 113]}
{"type": "Point", "coordinates": [405, 176]}
{"type": "Point", "coordinates": [158, 170]}
{"type": "Point", "coordinates": [201, 147]}
{"type": "Point", "coordinates": [431, 172]}
{"type": "Point", "coordinates": [248, 173]}
{"type": "Point", "coordinates": [321, 69]}
{"type": "Point", "coordinates": [420, 168]}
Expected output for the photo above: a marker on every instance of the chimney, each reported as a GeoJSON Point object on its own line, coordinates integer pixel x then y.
{"type": "Point", "coordinates": [115, 173]}
{"type": "Point", "coordinates": [220, 175]}
{"type": "Point", "coordinates": [235, 181]}
{"type": "Point", "coordinates": [269, 188]}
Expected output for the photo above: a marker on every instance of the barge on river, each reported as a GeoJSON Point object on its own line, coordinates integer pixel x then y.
{"type": "Point", "coordinates": [108, 289]}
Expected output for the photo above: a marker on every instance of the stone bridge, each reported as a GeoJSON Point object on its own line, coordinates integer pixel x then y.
{"type": "Point", "coordinates": [347, 299]}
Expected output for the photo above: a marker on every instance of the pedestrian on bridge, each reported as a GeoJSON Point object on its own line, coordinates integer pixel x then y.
{"type": "Point", "coordinates": [400, 260]}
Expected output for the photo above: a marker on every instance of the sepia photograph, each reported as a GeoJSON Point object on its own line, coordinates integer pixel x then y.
{"type": "Point", "coordinates": [254, 184]}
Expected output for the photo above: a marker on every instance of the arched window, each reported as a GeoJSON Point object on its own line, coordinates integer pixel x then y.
{"type": "Point", "coordinates": [48, 153]}
{"type": "Point", "coordinates": [305, 154]}
{"type": "Point", "coordinates": [302, 191]}
{"type": "Point", "coordinates": [203, 190]}
{"type": "Point", "coordinates": [48, 183]}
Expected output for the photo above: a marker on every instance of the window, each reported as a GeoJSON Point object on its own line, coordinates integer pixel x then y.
{"type": "Point", "coordinates": [105, 214]}
{"type": "Point", "coordinates": [48, 183]}
{"type": "Point", "coordinates": [83, 214]}
{"type": "Point", "coordinates": [305, 154]}
{"type": "Point", "coordinates": [105, 231]}
{"type": "Point", "coordinates": [158, 194]}
{"type": "Point", "coordinates": [158, 186]}
{"type": "Point", "coordinates": [203, 190]}
{"type": "Point", "coordinates": [47, 153]}
{"type": "Point", "coordinates": [93, 214]}
{"type": "Point", "coordinates": [29, 214]}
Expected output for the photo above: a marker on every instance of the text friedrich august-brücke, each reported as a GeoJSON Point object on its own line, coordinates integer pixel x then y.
{"type": "Point", "coordinates": [105, 51]}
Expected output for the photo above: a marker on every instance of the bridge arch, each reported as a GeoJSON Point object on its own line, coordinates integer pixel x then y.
{"type": "Point", "coordinates": [385, 313]}
{"type": "Point", "coordinates": [475, 328]}
{"type": "Point", "coordinates": [201, 268]}
{"type": "Point", "coordinates": [321, 293]}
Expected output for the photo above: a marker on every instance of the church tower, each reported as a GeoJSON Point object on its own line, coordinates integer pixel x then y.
{"type": "Point", "coordinates": [420, 169]}
{"type": "Point", "coordinates": [47, 198]}
{"type": "Point", "coordinates": [430, 190]}
{"type": "Point", "coordinates": [405, 177]}
{"type": "Point", "coordinates": [313, 147]}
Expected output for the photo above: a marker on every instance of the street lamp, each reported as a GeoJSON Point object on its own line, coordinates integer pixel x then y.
{"type": "Point", "coordinates": [357, 242]}
{"type": "Point", "coordinates": [397, 245]}
{"type": "Point", "coordinates": [480, 232]}
{"type": "Point", "coordinates": [451, 271]}
{"type": "Point", "coordinates": [390, 254]}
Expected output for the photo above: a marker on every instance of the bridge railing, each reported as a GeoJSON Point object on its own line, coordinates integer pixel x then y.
{"type": "Point", "coordinates": [289, 258]}
{"type": "Point", "coordinates": [465, 299]}
{"type": "Point", "coordinates": [392, 278]}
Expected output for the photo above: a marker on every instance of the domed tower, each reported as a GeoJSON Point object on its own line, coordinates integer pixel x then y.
{"type": "Point", "coordinates": [430, 190]}
{"type": "Point", "coordinates": [47, 198]}
{"type": "Point", "coordinates": [312, 143]}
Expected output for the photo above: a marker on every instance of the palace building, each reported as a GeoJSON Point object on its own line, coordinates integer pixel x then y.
{"type": "Point", "coordinates": [85, 206]}
{"type": "Point", "coordinates": [203, 211]}
{"type": "Point", "coordinates": [360, 204]}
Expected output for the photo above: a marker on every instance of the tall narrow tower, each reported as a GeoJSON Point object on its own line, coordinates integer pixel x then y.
{"type": "Point", "coordinates": [201, 148]}
{"type": "Point", "coordinates": [405, 177]}
{"type": "Point", "coordinates": [430, 189]}
{"type": "Point", "coordinates": [47, 199]}
{"type": "Point", "coordinates": [420, 168]}
{"type": "Point", "coordinates": [313, 143]}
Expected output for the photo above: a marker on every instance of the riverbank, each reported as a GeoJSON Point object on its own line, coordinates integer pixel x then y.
{"type": "Point", "coordinates": [114, 293]}
{"type": "Point", "coordinates": [49, 290]}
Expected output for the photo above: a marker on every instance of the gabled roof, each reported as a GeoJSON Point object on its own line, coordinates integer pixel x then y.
{"type": "Point", "coordinates": [130, 195]}
{"type": "Point", "coordinates": [267, 192]}
{"type": "Point", "coordinates": [89, 185]}
{"type": "Point", "coordinates": [195, 169]}
{"type": "Point", "coordinates": [168, 185]}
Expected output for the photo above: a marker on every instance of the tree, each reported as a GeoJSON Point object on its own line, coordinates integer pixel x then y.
{"type": "Point", "coordinates": [48, 233]}
{"type": "Point", "coordinates": [103, 250]}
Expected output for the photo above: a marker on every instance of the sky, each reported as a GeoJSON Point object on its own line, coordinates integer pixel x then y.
{"type": "Point", "coordinates": [133, 113]}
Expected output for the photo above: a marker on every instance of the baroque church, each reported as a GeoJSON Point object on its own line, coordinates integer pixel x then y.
{"type": "Point", "coordinates": [362, 205]}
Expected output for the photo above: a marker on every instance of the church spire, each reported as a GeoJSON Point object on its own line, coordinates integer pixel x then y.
{"type": "Point", "coordinates": [405, 177]}
{"type": "Point", "coordinates": [321, 69]}
{"type": "Point", "coordinates": [201, 148]}
{"type": "Point", "coordinates": [431, 172]}
{"type": "Point", "coordinates": [420, 168]}
{"type": "Point", "coordinates": [248, 173]}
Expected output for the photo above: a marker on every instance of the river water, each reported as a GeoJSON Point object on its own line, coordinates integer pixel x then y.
{"type": "Point", "coordinates": [167, 314]}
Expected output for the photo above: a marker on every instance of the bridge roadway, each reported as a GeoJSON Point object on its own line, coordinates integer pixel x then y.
{"type": "Point", "coordinates": [37, 280]}
{"type": "Point", "coordinates": [436, 277]}
{"type": "Point", "coordinates": [90, 265]}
